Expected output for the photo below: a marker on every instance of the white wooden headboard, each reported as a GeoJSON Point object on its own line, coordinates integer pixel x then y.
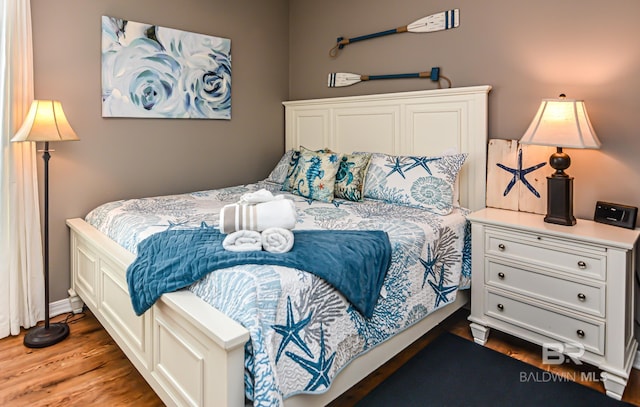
{"type": "Point", "coordinates": [426, 122]}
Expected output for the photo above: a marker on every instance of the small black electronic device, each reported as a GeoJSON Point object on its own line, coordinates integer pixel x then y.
{"type": "Point", "coordinates": [616, 214]}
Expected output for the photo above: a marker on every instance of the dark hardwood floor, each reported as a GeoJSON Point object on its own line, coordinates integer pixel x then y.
{"type": "Point", "coordinates": [88, 368]}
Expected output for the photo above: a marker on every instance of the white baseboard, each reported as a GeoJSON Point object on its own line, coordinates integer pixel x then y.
{"type": "Point", "coordinates": [71, 304]}
{"type": "Point", "coordinates": [62, 306]}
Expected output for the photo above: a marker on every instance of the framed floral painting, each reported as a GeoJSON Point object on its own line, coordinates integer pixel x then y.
{"type": "Point", "coordinates": [153, 71]}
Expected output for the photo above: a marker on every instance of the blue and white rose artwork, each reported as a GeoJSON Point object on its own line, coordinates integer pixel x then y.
{"type": "Point", "coordinates": [156, 72]}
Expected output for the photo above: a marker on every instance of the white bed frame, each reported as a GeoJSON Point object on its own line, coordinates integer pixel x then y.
{"type": "Point", "coordinates": [193, 355]}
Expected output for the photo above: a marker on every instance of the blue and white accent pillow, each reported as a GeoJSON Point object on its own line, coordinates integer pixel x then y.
{"type": "Point", "coordinates": [417, 181]}
{"type": "Point", "coordinates": [279, 174]}
{"type": "Point", "coordinates": [315, 175]}
{"type": "Point", "coordinates": [291, 170]}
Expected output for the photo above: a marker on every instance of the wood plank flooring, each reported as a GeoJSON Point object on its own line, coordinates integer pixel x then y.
{"type": "Point", "coordinates": [88, 368]}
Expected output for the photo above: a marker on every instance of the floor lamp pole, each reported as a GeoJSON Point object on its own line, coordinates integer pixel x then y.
{"type": "Point", "coordinates": [46, 156]}
{"type": "Point", "coordinates": [49, 334]}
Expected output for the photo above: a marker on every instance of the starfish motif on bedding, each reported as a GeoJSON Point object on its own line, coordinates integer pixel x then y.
{"type": "Point", "coordinates": [421, 162]}
{"type": "Point", "coordinates": [442, 291]}
{"type": "Point", "coordinates": [291, 332]}
{"type": "Point", "coordinates": [519, 174]}
{"type": "Point", "coordinates": [428, 264]}
{"type": "Point", "coordinates": [319, 370]}
{"type": "Point", "coordinates": [176, 224]}
{"type": "Point", "coordinates": [396, 166]}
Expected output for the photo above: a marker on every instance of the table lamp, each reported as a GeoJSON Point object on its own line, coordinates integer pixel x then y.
{"type": "Point", "coordinates": [561, 123]}
{"type": "Point", "coordinates": [46, 122]}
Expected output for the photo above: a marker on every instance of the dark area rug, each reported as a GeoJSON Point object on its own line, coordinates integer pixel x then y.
{"type": "Point", "coordinates": [452, 371]}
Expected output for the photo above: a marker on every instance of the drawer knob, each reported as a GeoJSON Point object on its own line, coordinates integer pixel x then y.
{"type": "Point", "coordinates": [501, 307]}
{"type": "Point", "coordinates": [501, 247]}
{"type": "Point", "coordinates": [582, 265]}
{"type": "Point", "coordinates": [580, 333]}
{"type": "Point", "coordinates": [582, 297]}
{"type": "Point", "coordinates": [501, 275]}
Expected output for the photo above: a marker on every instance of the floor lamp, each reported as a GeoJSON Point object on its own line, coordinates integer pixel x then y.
{"type": "Point", "coordinates": [46, 122]}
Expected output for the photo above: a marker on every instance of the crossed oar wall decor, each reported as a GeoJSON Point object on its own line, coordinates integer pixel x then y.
{"type": "Point", "coordinates": [444, 20]}
{"type": "Point", "coordinates": [341, 79]}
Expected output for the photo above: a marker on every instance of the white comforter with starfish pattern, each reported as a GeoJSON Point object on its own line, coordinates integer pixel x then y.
{"type": "Point", "coordinates": [303, 332]}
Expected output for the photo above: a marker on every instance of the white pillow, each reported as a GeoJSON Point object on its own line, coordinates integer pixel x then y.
{"type": "Point", "coordinates": [417, 181]}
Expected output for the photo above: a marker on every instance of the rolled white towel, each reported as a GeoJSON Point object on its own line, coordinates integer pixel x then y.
{"type": "Point", "coordinates": [277, 240]}
{"type": "Point", "coordinates": [276, 213]}
{"type": "Point", "coordinates": [259, 196]}
{"type": "Point", "coordinates": [243, 241]}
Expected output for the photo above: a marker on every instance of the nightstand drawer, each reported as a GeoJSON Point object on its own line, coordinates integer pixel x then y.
{"type": "Point", "coordinates": [547, 252]}
{"type": "Point", "coordinates": [548, 288]}
{"type": "Point", "coordinates": [546, 322]}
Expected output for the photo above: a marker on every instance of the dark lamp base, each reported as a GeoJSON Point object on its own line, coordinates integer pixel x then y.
{"type": "Point", "coordinates": [41, 337]}
{"type": "Point", "coordinates": [560, 220]}
{"type": "Point", "coordinates": [560, 200]}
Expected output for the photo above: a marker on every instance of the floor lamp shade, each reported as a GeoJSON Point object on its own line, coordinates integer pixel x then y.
{"type": "Point", "coordinates": [561, 123]}
{"type": "Point", "coordinates": [46, 122]}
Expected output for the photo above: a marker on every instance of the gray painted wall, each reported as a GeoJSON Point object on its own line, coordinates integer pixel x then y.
{"type": "Point", "coordinates": [126, 158]}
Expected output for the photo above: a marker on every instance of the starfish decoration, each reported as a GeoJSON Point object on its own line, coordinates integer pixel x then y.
{"type": "Point", "coordinates": [428, 265]}
{"type": "Point", "coordinates": [421, 162]}
{"type": "Point", "coordinates": [175, 224]}
{"type": "Point", "coordinates": [291, 332]}
{"type": "Point", "coordinates": [396, 166]}
{"type": "Point", "coordinates": [519, 175]}
{"type": "Point", "coordinates": [441, 290]}
{"type": "Point", "coordinates": [319, 370]}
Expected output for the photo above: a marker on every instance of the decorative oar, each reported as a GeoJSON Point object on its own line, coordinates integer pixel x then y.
{"type": "Point", "coordinates": [434, 22]}
{"type": "Point", "coordinates": [340, 79]}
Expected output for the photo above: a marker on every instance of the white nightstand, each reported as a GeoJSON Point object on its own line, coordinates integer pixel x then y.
{"type": "Point", "coordinates": [570, 286]}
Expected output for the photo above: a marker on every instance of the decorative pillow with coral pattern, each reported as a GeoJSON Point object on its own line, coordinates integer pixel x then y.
{"type": "Point", "coordinates": [423, 182]}
{"type": "Point", "coordinates": [315, 175]}
{"type": "Point", "coordinates": [291, 170]}
{"type": "Point", "coordinates": [351, 175]}
{"type": "Point", "coordinates": [279, 174]}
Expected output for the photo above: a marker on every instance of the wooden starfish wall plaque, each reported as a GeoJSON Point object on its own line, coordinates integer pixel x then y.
{"type": "Point", "coordinates": [517, 176]}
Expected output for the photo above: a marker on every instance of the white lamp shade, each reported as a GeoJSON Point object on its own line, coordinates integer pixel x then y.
{"type": "Point", "coordinates": [561, 123]}
{"type": "Point", "coordinates": [45, 122]}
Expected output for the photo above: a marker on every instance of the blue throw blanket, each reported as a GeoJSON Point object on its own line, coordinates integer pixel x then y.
{"type": "Point", "coordinates": [355, 262]}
